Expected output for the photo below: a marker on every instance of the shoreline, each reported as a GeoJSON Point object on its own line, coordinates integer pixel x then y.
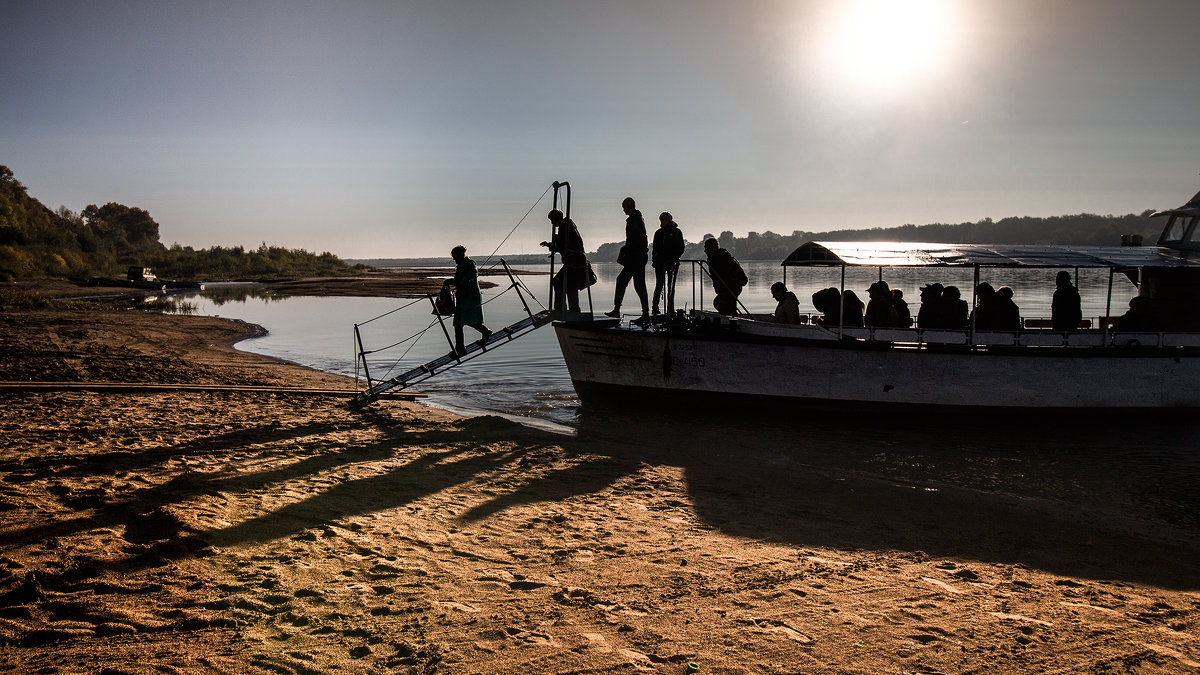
{"type": "Point", "coordinates": [259, 532]}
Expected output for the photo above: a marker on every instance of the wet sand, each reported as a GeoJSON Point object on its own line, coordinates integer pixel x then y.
{"type": "Point", "coordinates": [248, 532]}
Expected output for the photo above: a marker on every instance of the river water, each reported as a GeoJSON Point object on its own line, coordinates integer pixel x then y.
{"type": "Point", "coordinates": [527, 377]}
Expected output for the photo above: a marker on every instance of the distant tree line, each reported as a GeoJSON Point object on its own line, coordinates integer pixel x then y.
{"type": "Point", "coordinates": [1084, 229]}
{"type": "Point", "coordinates": [107, 240]}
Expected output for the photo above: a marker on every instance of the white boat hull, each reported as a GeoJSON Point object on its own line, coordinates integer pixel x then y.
{"type": "Point", "coordinates": [732, 366]}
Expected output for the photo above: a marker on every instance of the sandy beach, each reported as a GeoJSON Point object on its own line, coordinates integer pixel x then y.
{"type": "Point", "coordinates": [227, 531]}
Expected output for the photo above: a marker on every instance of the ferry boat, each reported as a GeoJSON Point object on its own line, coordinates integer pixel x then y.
{"type": "Point", "coordinates": [704, 358]}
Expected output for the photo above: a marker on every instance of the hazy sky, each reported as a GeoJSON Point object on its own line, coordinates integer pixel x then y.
{"type": "Point", "coordinates": [388, 129]}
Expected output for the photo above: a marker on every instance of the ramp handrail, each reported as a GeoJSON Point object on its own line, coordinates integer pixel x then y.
{"type": "Point", "coordinates": [375, 388]}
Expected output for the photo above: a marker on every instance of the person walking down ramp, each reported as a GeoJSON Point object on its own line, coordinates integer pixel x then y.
{"type": "Point", "coordinates": [468, 308]}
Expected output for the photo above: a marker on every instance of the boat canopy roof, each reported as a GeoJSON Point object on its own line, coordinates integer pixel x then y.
{"type": "Point", "coordinates": [1191, 208]}
{"type": "Point", "coordinates": [915, 254]}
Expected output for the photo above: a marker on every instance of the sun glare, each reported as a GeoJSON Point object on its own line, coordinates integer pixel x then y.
{"type": "Point", "coordinates": [886, 45]}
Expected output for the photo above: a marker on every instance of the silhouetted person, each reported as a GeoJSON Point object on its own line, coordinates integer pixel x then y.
{"type": "Point", "coordinates": [828, 302]}
{"type": "Point", "coordinates": [986, 315]}
{"type": "Point", "coordinates": [728, 277]}
{"type": "Point", "coordinates": [632, 258]}
{"type": "Point", "coordinates": [933, 307]}
{"type": "Point", "coordinates": [995, 311]}
{"type": "Point", "coordinates": [880, 312]}
{"type": "Point", "coordinates": [1140, 317]}
{"type": "Point", "coordinates": [956, 312]}
{"type": "Point", "coordinates": [1009, 312]}
{"type": "Point", "coordinates": [852, 310]}
{"type": "Point", "coordinates": [788, 309]}
{"type": "Point", "coordinates": [468, 306]}
{"type": "Point", "coordinates": [664, 258]}
{"type": "Point", "coordinates": [832, 305]}
{"type": "Point", "coordinates": [574, 275]}
{"type": "Point", "coordinates": [1065, 312]}
{"type": "Point", "coordinates": [903, 316]}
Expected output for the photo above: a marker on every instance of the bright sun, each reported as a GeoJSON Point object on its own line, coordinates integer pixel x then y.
{"type": "Point", "coordinates": [886, 45]}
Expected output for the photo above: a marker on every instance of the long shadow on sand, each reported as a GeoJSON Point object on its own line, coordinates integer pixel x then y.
{"type": "Point", "coordinates": [1104, 502]}
{"type": "Point", "coordinates": [1108, 501]}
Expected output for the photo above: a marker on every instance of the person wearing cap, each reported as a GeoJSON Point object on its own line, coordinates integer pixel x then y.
{"type": "Point", "coordinates": [932, 313]}
{"type": "Point", "coordinates": [664, 258]}
{"type": "Point", "coordinates": [881, 313]}
{"type": "Point", "coordinates": [1065, 313]}
{"type": "Point", "coordinates": [573, 276]}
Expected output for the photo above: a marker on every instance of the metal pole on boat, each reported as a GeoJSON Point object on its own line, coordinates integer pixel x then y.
{"type": "Point", "coordinates": [842, 304]}
{"type": "Point", "coordinates": [974, 292]}
{"type": "Point", "coordinates": [563, 254]}
{"type": "Point", "coordinates": [1108, 305]}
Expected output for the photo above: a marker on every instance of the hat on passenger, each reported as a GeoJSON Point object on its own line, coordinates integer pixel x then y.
{"type": "Point", "coordinates": [880, 285]}
{"type": "Point", "coordinates": [935, 286]}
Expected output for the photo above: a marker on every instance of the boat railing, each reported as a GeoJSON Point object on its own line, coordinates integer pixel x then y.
{"type": "Point", "coordinates": [920, 338]}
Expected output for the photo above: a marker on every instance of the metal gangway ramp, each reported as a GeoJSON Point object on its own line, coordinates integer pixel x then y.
{"type": "Point", "coordinates": [377, 388]}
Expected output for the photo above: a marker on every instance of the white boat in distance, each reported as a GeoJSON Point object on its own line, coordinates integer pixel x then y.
{"type": "Point", "coordinates": [703, 358]}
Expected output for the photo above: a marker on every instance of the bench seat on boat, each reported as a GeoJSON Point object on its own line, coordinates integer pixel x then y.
{"type": "Point", "coordinates": [1048, 323]}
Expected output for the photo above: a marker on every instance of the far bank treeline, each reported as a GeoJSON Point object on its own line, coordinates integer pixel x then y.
{"type": "Point", "coordinates": [107, 240]}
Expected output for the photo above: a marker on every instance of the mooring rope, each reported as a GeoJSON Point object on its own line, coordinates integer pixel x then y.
{"type": "Point", "coordinates": [393, 311]}
{"type": "Point", "coordinates": [514, 229]}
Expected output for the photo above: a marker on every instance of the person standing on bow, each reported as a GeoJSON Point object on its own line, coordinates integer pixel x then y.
{"type": "Point", "coordinates": [664, 258]}
{"type": "Point", "coordinates": [728, 277]}
{"type": "Point", "coordinates": [468, 308]}
{"type": "Point", "coordinates": [573, 276]}
{"type": "Point", "coordinates": [632, 259]}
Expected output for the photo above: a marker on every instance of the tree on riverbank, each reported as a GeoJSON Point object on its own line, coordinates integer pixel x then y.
{"type": "Point", "coordinates": [1084, 229]}
{"type": "Point", "coordinates": [106, 240]}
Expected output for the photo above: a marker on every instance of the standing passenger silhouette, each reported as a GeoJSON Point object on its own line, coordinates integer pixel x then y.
{"type": "Point", "coordinates": [668, 248]}
{"type": "Point", "coordinates": [632, 258]}
{"type": "Point", "coordinates": [574, 274]}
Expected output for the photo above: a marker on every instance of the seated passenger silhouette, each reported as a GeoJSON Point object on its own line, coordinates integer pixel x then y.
{"type": "Point", "coordinates": [988, 314]}
{"type": "Point", "coordinates": [880, 311]}
{"type": "Point", "coordinates": [903, 315]}
{"type": "Point", "coordinates": [1065, 313]}
{"type": "Point", "coordinates": [933, 310]}
{"type": "Point", "coordinates": [1139, 318]}
{"type": "Point", "coordinates": [829, 303]}
{"type": "Point", "coordinates": [1010, 314]}
{"type": "Point", "coordinates": [788, 309]}
{"type": "Point", "coordinates": [955, 312]}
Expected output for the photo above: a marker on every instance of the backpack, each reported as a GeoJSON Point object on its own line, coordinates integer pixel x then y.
{"type": "Point", "coordinates": [443, 302]}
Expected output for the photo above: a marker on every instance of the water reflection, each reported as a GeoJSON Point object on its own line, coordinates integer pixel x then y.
{"type": "Point", "coordinates": [223, 293]}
